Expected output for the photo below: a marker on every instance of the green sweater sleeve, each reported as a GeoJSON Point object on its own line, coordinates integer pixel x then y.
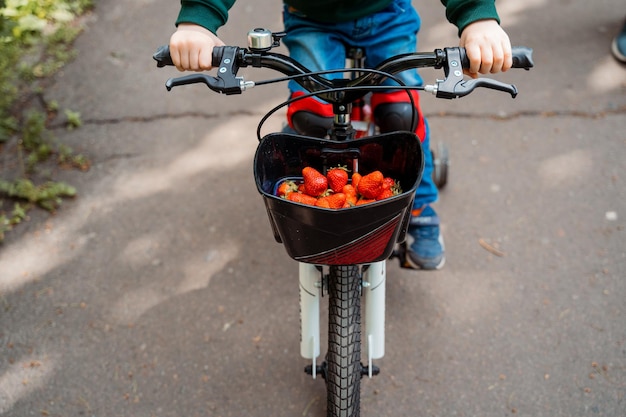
{"type": "Point", "coordinates": [463, 12]}
{"type": "Point", "coordinates": [211, 14]}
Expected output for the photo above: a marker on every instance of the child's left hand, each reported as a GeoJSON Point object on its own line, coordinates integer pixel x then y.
{"type": "Point", "coordinates": [488, 47]}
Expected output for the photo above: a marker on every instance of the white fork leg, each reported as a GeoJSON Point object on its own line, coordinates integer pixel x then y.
{"type": "Point", "coordinates": [309, 312]}
{"type": "Point", "coordinates": [375, 279]}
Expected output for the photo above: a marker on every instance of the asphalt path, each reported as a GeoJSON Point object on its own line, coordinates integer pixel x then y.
{"type": "Point", "coordinates": [159, 290]}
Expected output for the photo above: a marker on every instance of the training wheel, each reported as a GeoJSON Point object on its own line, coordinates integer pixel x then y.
{"type": "Point", "coordinates": [441, 164]}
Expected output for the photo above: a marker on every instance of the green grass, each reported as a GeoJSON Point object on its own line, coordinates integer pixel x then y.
{"type": "Point", "coordinates": [36, 40]}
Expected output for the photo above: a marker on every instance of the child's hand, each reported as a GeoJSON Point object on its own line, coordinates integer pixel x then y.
{"type": "Point", "coordinates": [488, 47]}
{"type": "Point", "coordinates": [191, 47]}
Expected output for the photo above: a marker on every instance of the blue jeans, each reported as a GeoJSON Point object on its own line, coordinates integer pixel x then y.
{"type": "Point", "coordinates": [391, 31]}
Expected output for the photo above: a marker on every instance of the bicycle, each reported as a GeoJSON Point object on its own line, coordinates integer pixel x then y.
{"type": "Point", "coordinates": [342, 253]}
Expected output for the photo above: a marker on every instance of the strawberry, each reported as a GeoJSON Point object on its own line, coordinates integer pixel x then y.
{"type": "Point", "coordinates": [388, 183]}
{"type": "Point", "coordinates": [385, 193]}
{"type": "Point", "coordinates": [356, 177]}
{"type": "Point", "coordinates": [322, 202]}
{"type": "Point", "coordinates": [337, 178]}
{"type": "Point", "coordinates": [335, 201]}
{"type": "Point", "coordinates": [315, 183]}
{"type": "Point", "coordinates": [285, 188]}
{"type": "Point", "coordinates": [389, 189]}
{"type": "Point", "coordinates": [371, 185]}
{"type": "Point", "coordinates": [351, 194]}
{"type": "Point", "coordinates": [364, 201]}
{"type": "Point", "coordinates": [302, 198]}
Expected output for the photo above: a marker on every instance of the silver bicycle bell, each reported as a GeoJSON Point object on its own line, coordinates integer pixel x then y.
{"type": "Point", "coordinates": [260, 39]}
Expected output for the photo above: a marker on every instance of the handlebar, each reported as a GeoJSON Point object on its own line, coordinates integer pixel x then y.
{"type": "Point", "coordinates": [229, 59]}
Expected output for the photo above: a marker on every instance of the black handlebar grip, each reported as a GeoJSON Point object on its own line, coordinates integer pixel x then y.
{"type": "Point", "coordinates": [162, 56]}
{"type": "Point", "coordinates": [522, 57]}
{"type": "Point", "coordinates": [216, 57]}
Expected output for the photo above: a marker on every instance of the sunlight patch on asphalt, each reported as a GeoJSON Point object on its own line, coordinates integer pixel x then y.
{"type": "Point", "coordinates": [141, 251]}
{"type": "Point", "coordinates": [608, 75]}
{"type": "Point", "coordinates": [568, 168]}
{"type": "Point", "coordinates": [197, 273]}
{"type": "Point", "coordinates": [25, 262]}
{"type": "Point", "coordinates": [228, 145]}
{"type": "Point", "coordinates": [23, 378]}
{"type": "Point", "coordinates": [469, 297]}
{"type": "Point", "coordinates": [32, 257]}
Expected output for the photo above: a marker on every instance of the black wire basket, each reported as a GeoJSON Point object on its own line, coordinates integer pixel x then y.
{"type": "Point", "coordinates": [349, 236]}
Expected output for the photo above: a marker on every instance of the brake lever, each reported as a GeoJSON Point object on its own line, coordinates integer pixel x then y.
{"type": "Point", "coordinates": [226, 81]}
{"type": "Point", "coordinates": [212, 82]}
{"type": "Point", "coordinates": [455, 86]}
{"type": "Point", "coordinates": [464, 87]}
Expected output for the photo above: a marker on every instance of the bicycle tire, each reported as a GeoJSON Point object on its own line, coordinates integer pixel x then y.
{"type": "Point", "coordinates": [344, 370]}
{"type": "Point", "coordinates": [441, 165]}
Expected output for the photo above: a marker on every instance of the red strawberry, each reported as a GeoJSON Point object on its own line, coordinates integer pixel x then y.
{"type": "Point", "coordinates": [337, 178]}
{"type": "Point", "coordinates": [389, 189]}
{"type": "Point", "coordinates": [356, 177]}
{"type": "Point", "coordinates": [371, 185]}
{"type": "Point", "coordinates": [388, 183]}
{"type": "Point", "coordinates": [315, 184]}
{"type": "Point", "coordinates": [337, 200]}
{"type": "Point", "coordinates": [322, 202]}
{"type": "Point", "coordinates": [285, 188]}
{"type": "Point", "coordinates": [302, 198]}
{"type": "Point", "coordinates": [385, 193]}
{"type": "Point", "coordinates": [333, 201]}
{"type": "Point", "coordinates": [364, 201]}
{"type": "Point", "coordinates": [351, 195]}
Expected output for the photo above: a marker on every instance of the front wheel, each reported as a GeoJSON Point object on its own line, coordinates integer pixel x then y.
{"type": "Point", "coordinates": [343, 374]}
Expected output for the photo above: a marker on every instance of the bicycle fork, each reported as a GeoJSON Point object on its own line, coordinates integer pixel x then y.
{"type": "Point", "coordinates": [311, 291]}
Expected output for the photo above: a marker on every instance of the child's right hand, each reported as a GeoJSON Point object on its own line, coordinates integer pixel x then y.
{"type": "Point", "coordinates": [488, 47]}
{"type": "Point", "coordinates": [191, 47]}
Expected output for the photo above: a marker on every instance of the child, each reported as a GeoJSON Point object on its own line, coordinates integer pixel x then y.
{"type": "Point", "coordinates": [317, 34]}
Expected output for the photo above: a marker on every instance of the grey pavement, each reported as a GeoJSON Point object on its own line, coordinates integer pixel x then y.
{"type": "Point", "coordinates": [160, 291]}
